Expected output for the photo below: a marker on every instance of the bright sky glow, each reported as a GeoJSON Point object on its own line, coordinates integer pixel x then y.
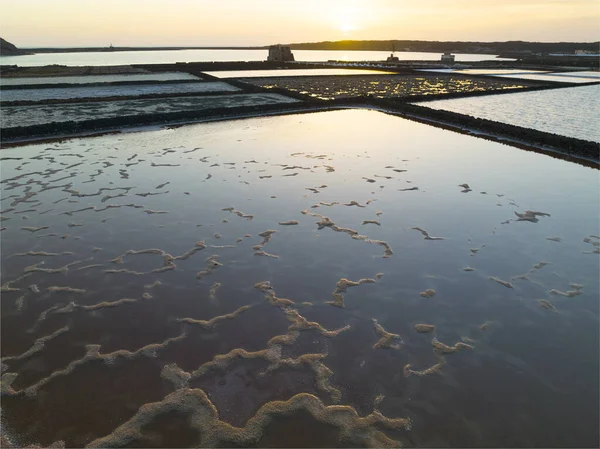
{"type": "Point", "coordinates": [29, 23]}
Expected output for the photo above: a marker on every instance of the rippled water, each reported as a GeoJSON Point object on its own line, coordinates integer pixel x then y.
{"type": "Point", "coordinates": [571, 112]}
{"type": "Point", "coordinates": [64, 93]}
{"type": "Point", "coordinates": [197, 199]}
{"type": "Point", "coordinates": [173, 56]}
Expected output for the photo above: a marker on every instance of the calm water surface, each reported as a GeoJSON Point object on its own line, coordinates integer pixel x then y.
{"type": "Point", "coordinates": [523, 375]}
{"type": "Point", "coordinates": [172, 56]}
{"type": "Point", "coordinates": [38, 114]}
{"type": "Point", "coordinates": [167, 76]}
{"type": "Point", "coordinates": [64, 93]}
{"type": "Point", "coordinates": [294, 72]}
{"type": "Point", "coordinates": [538, 75]}
{"type": "Point", "coordinates": [571, 112]}
{"type": "Point", "coordinates": [556, 77]}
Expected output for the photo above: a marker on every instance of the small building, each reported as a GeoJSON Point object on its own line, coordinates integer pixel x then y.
{"type": "Point", "coordinates": [280, 53]}
{"type": "Point", "coordinates": [447, 57]}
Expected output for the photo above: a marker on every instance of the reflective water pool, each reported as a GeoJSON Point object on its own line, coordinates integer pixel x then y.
{"type": "Point", "coordinates": [571, 111]}
{"type": "Point", "coordinates": [268, 282]}
{"type": "Point", "coordinates": [173, 56]}
{"type": "Point", "coordinates": [67, 93]}
{"type": "Point", "coordinates": [38, 114]}
{"type": "Point", "coordinates": [86, 79]}
{"type": "Point", "coordinates": [292, 72]}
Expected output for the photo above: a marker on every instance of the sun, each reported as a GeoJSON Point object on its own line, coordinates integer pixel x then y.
{"type": "Point", "coordinates": [347, 27]}
{"type": "Point", "coordinates": [346, 16]}
{"type": "Point", "coordinates": [347, 23]}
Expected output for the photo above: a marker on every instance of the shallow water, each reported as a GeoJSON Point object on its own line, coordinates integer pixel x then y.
{"type": "Point", "coordinates": [530, 378]}
{"type": "Point", "coordinates": [293, 72]}
{"type": "Point", "coordinates": [173, 56]}
{"type": "Point", "coordinates": [556, 77]}
{"type": "Point", "coordinates": [584, 74]}
{"type": "Point", "coordinates": [383, 86]}
{"type": "Point", "coordinates": [86, 79]}
{"type": "Point", "coordinates": [58, 113]}
{"type": "Point", "coordinates": [571, 111]}
{"type": "Point", "coordinates": [66, 93]}
{"type": "Point", "coordinates": [484, 71]}
{"type": "Point", "coordinates": [537, 75]}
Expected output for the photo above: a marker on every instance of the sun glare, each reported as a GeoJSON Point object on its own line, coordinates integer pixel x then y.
{"type": "Point", "coordinates": [347, 22]}
{"type": "Point", "coordinates": [347, 27]}
{"type": "Point", "coordinates": [346, 16]}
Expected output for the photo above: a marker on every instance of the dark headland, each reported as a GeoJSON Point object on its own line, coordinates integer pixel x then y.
{"type": "Point", "coordinates": [8, 49]}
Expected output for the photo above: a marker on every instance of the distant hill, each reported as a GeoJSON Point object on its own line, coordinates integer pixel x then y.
{"type": "Point", "coordinates": [8, 49]}
{"type": "Point", "coordinates": [456, 47]}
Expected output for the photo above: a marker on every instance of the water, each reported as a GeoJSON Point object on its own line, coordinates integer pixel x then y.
{"type": "Point", "coordinates": [173, 56]}
{"type": "Point", "coordinates": [294, 72]}
{"type": "Point", "coordinates": [514, 388]}
{"type": "Point", "coordinates": [556, 77]}
{"type": "Point", "coordinates": [85, 79]}
{"type": "Point", "coordinates": [584, 74]}
{"type": "Point", "coordinates": [384, 86]}
{"type": "Point", "coordinates": [485, 71]}
{"type": "Point", "coordinates": [538, 75]}
{"type": "Point", "coordinates": [64, 93]}
{"type": "Point", "coordinates": [39, 114]}
{"type": "Point", "coordinates": [497, 71]}
{"type": "Point", "coordinates": [571, 112]}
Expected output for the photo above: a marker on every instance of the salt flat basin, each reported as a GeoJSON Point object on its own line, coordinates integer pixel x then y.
{"type": "Point", "coordinates": [87, 79]}
{"type": "Point", "coordinates": [486, 71]}
{"type": "Point", "coordinates": [224, 184]}
{"type": "Point", "coordinates": [557, 77]}
{"type": "Point", "coordinates": [65, 93]}
{"type": "Point", "coordinates": [499, 71]}
{"type": "Point", "coordinates": [57, 113]}
{"type": "Point", "coordinates": [383, 86]}
{"type": "Point", "coordinates": [536, 75]}
{"type": "Point", "coordinates": [571, 112]}
{"type": "Point", "coordinates": [583, 74]}
{"type": "Point", "coordinates": [293, 72]}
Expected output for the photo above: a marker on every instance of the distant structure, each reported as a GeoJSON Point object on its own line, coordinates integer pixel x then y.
{"type": "Point", "coordinates": [392, 57]}
{"type": "Point", "coordinates": [447, 57]}
{"type": "Point", "coordinates": [280, 53]}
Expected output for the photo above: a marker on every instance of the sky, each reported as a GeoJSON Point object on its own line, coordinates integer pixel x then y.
{"type": "Point", "coordinates": [76, 23]}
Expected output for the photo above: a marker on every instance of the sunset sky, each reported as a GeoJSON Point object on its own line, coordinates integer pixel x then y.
{"type": "Point", "coordinates": [29, 23]}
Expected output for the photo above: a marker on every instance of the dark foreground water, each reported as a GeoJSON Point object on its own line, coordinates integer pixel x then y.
{"type": "Point", "coordinates": [135, 308]}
